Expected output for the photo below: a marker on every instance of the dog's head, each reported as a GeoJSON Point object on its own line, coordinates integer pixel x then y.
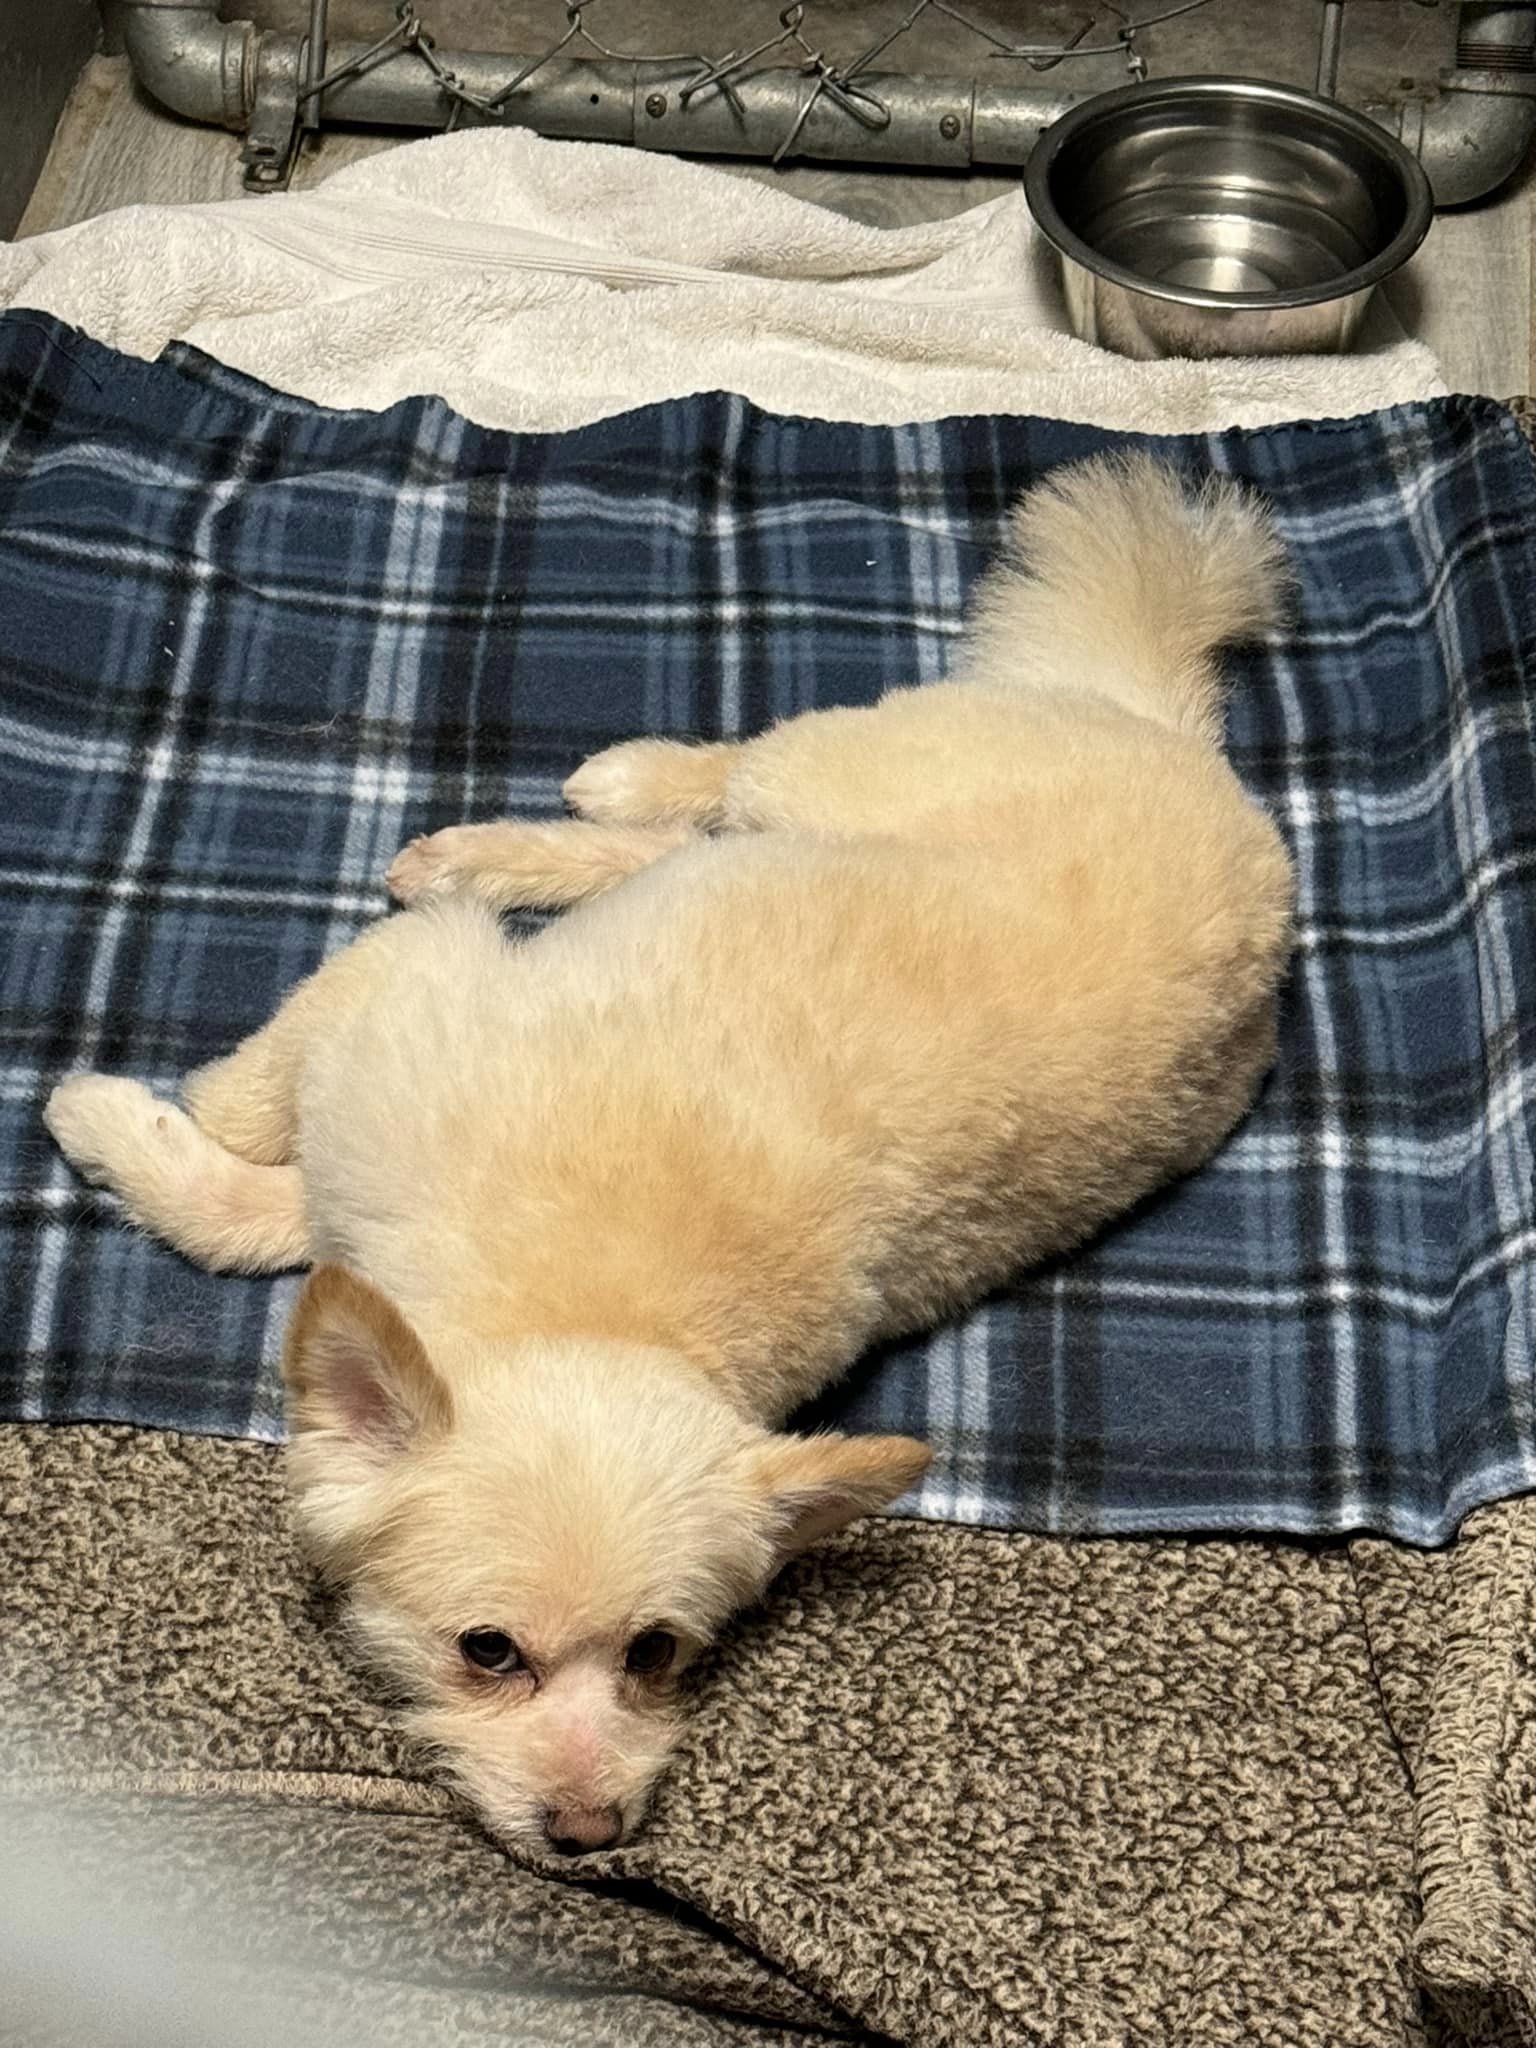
{"type": "Point", "coordinates": [537, 1554]}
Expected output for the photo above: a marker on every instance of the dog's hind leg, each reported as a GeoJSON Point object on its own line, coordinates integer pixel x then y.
{"type": "Point", "coordinates": [513, 865]}
{"type": "Point", "coordinates": [175, 1181]}
{"type": "Point", "coordinates": [247, 1102]}
{"type": "Point", "coordinates": [655, 782]}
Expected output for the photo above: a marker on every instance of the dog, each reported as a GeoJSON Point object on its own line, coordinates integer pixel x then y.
{"type": "Point", "coordinates": [848, 1023]}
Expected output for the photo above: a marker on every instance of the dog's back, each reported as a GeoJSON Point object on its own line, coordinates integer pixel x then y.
{"type": "Point", "coordinates": [961, 975]}
{"type": "Point", "coordinates": [985, 964]}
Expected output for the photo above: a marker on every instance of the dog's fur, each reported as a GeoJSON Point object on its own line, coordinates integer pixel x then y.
{"type": "Point", "coordinates": [890, 1003]}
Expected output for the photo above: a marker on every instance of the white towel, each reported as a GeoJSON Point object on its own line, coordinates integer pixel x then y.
{"type": "Point", "coordinates": [540, 285]}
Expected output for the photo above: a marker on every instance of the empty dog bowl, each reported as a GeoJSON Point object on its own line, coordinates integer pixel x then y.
{"type": "Point", "coordinates": [1223, 216]}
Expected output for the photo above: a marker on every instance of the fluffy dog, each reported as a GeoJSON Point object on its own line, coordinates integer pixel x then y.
{"type": "Point", "coordinates": [855, 1020]}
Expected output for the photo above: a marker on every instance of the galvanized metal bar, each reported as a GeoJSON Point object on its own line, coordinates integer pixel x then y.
{"type": "Point", "coordinates": [1496, 38]}
{"type": "Point", "coordinates": [314, 63]}
{"type": "Point", "coordinates": [1329, 46]}
{"type": "Point", "coordinates": [938, 123]}
{"type": "Point", "coordinates": [1470, 136]}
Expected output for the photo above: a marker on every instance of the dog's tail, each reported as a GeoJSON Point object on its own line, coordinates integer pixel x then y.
{"type": "Point", "coordinates": [1117, 579]}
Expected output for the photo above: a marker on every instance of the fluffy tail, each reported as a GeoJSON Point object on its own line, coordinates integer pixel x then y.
{"type": "Point", "coordinates": [1117, 579]}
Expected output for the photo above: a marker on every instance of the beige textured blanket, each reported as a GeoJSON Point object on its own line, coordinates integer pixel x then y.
{"type": "Point", "coordinates": [946, 1788]}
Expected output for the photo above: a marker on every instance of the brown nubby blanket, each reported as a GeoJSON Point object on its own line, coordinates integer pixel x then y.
{"type": "Point", "coordinates": [945, 1788]}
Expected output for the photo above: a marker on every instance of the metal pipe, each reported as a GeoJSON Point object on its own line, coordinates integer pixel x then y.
{"type": "Point", "coordinates": [191, 61]}
{"type": "Point", "coordinates": [1471, 135]}
{"type": "Point", "coordinates": [1329, 45]}
{"type": "Point", "coordinates": [1496, 38]}
{"type": "Point", "coordinates": [1474, 131]}
{"type": "Point", "coordinates": [939, 123]}
{"type": "Point", "coordinates": [211, 71]}
{"type": "Point", "coordinates": [314, 60]}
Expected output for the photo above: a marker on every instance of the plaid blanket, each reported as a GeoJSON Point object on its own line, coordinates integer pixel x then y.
{"type": "Point", "coordinates": [248, 646]}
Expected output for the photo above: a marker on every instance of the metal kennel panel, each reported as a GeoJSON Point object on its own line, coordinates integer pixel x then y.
{"type": "Point", "coordinates": [827, 82]}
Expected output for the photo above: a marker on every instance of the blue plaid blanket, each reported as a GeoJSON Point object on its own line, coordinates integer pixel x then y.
{"type": "Point", "coordinates": [247, 647]}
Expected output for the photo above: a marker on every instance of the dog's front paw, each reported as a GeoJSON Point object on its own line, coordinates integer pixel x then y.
{"type": "Point", "coordinates": [103, 1124]}
{"type": "Point", "coordinates": [429, 866]}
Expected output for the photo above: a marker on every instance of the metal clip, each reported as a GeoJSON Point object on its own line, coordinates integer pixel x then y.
{"type": "Point", "coordinates": [272, 140]}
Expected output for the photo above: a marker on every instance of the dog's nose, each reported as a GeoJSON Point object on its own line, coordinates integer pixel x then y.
{"type": "Point", "coordinates": [573, 1830]}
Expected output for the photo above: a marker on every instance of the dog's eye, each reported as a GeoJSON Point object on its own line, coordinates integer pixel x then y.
{"type": "Point", "coordinates": [651, 1652]}
{"type": "Point", "coordinates": [490, 1650]}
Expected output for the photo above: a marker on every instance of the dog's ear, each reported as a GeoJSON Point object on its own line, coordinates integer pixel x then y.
{"type": "Point", "coordinates": [358, 1376]}
{"type": "Point", "coordinates": [815, 1484]}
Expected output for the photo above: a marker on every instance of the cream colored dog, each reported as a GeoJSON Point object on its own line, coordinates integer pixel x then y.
{"type": "Point", "coordinates": [856, 1020]}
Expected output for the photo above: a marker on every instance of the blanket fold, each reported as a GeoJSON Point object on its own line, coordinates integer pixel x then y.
{"type": "Point", "coordinates": [1476, 1776]}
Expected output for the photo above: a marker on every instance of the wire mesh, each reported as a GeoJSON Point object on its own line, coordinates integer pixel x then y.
{"type": "Point", "coordinates": [1105, 30]}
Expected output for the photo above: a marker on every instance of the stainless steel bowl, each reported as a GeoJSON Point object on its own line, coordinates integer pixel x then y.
{"type": "Point", "coordinates": [1223, 216]}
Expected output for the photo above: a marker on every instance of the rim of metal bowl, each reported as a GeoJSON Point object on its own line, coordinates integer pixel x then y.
{"type": "Point", "coordinates": [1419, 207]}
